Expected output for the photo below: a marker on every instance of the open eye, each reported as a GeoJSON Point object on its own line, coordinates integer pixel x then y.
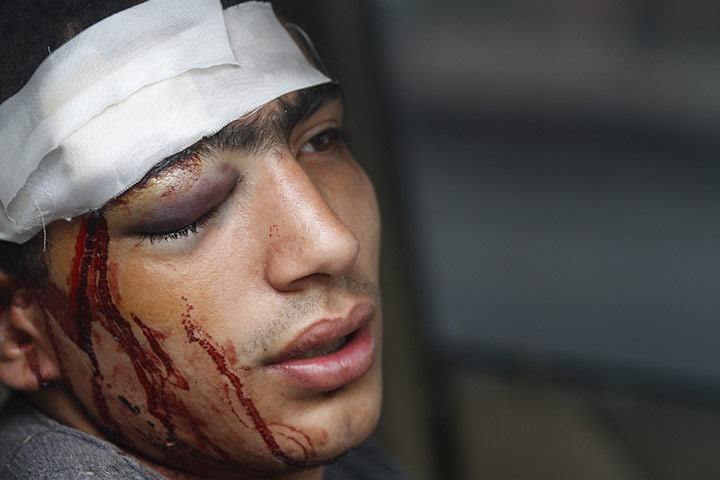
{"type": "Point", "coordinates": [325, 141]}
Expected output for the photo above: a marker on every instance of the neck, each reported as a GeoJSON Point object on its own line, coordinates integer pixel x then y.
{"type": "Point", "coordinates": [59, 404]}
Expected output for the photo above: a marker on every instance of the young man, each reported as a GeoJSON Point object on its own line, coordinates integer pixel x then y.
{"type": "Point", "coordinates": [190, 253]}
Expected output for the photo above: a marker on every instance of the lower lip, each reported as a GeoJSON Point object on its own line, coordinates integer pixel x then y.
{"type": "Point", "coordinates": [330, 372]}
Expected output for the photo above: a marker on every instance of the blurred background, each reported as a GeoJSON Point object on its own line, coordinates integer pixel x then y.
{"type": "Point", "coordinates": [548, 174]}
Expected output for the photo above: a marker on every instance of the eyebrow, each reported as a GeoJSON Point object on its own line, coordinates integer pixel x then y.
{"type": "Point", "coordinates": [254, 133]}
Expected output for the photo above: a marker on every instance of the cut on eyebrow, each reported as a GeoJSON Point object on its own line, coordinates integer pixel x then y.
{"type": "Point", "coordinates": [269, 126]}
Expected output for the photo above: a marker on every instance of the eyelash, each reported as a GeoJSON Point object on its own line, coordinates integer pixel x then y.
{"type": "Point", "coordinates": [182, 232]}
{"type": "Point", "coordinates": [336, 134]}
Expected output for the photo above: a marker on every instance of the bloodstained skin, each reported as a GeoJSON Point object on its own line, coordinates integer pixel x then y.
{"type": "Point", "coordinates": [205, 341]}
{"type": "Point", "coordinates": [91, 302]}
{"type": "Point", "coordinates": [87, 244]}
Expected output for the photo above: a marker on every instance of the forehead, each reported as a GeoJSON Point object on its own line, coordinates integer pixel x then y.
{"type": "Point", "coordinates": [270, 125]}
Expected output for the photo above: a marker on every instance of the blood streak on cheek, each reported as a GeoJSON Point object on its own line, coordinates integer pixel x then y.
{"type": "Point", "coordinates": [154, 369]}
{"type": "Point", "coordinates": [113, 281]}
{"type": "Point", "coordinates": [196, 334]}
{"type": "Point", "coordinates": [78, 259]}
{"type": "Point", "coordinates": [92, 302]}
{"type": "Point", "coordinates": [89, 241]}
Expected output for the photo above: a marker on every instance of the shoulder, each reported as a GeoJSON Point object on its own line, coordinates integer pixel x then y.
{"type": "Point", "coordinates": [33, 445]}
{"type": "Point", "coordinates": [366, 462]}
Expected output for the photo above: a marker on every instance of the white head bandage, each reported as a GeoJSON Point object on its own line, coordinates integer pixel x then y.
{"type": "Point", "coordinates": [127, 92]}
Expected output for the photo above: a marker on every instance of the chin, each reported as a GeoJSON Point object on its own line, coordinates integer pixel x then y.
{"type": "Point", "coordinates": [311, 432]}
{"type": "Point", "coordinates": [332, 423]}
{"type": "Point", "coordinates": [315, 429]}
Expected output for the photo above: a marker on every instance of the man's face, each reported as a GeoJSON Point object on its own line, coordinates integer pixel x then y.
{"type": "Point", "coordinates": [182, 307]}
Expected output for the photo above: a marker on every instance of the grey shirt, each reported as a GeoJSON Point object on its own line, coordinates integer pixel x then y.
{"type": "Point", "coordinates": [34, 446]}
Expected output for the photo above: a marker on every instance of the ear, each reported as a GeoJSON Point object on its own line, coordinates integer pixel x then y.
{"type": "Point", "coordinates": [26, 360]}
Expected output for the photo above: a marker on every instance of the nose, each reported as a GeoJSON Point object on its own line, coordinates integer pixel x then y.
{"type": "Point", "coordinates": [307, 239]}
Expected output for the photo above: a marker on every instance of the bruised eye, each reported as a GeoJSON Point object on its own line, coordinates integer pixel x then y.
{"type": "Point", "coordinates": [190, 213]}
{"type": "Point", "coordinates": [183, 231]}
{"type": "Point", "coordinates": [323, 142]}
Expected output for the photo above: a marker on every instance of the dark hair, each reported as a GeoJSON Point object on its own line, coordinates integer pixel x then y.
{"type": "Point", "coordinates": [25, 262]}
{"type": "Point", "coordinates": [29, 31]}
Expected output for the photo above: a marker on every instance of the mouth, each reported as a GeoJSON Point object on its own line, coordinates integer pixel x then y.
{"type": "Point", "coordinates": [326, 349]}
{"type": "Point", "coordinates": [329, 354]}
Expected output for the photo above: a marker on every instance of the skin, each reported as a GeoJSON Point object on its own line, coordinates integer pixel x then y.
{"type": "Point", "coordinates": [292, 238]}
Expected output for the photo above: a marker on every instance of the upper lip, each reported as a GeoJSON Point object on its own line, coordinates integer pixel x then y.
{"type": "Point", "coordinates": [324, 331]}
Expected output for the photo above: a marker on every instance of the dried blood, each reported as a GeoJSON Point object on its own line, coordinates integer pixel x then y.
{"type": "Point", "coordinates": [91, 303]}
{"type": "Point", "coordinates": [197, 334]}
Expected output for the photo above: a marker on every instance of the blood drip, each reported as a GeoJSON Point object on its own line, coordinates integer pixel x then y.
{"type": "Point", "coordinates": [206, 342]}
{"type": "Point", "coordinates": [308, 451]}
{"type": "Point", "coordinates": [91, 302]}
{"type": "Point", "coordinates": [88, 243]}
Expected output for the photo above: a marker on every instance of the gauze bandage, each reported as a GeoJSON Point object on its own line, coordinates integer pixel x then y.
{"type": "Point", "coordinates": [127, 92]}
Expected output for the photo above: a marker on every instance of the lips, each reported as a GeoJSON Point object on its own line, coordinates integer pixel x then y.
{"type": "Point", "coordinates": [326, 349]}
{"type": "Point", "coordinates": [331, 353]}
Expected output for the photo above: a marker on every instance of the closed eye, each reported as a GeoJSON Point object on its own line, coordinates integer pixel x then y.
{"type": "Point", "coordinates": [183, 231]}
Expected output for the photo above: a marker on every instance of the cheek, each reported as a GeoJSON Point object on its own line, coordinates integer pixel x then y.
{"type": "Point", "coordinates": [206, 280]}
{"type": "Point", "coordinates": [147, 344]}
{"type": "Point", "coordinates": [140, 358]}
{"type": "Point", "coordinates": [150, 291]}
